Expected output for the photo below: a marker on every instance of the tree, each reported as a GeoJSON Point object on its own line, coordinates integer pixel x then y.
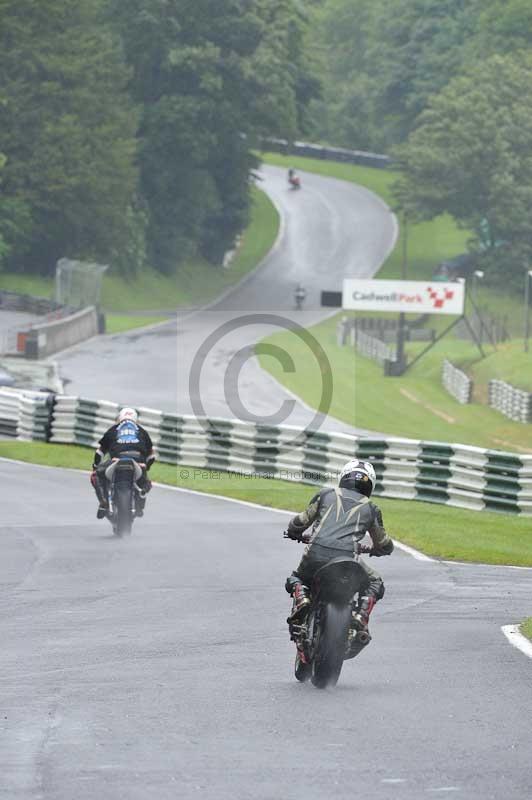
{"type": "Point", "coordinates": [471, 156]}
{"type": "Point", "coordinates": [383, 62]}
{"type": "Point", "coordinates": [67, 129]}
{"type": "Point", "coordinates": [3, 246]}
{"type": "Point", "coordinates": [210, 75]}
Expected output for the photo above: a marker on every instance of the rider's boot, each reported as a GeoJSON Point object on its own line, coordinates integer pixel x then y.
{"type": "Point", "coordinates": [301, 595]}
{"type": "Point", "coordinates": [143, 486]}
{"type": "Point", "coordinates": [361, 613]}
{"type": "Point", "coordinates": [140, 503]}
{"type": "Point", "coordinates": [359, 635]}
{"type": "Point", "coordinates": [102, 499]}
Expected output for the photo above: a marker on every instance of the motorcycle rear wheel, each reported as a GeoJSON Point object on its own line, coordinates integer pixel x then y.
{"type": "Point", "coordinates": [330, 647]}
{"type": "Point", "coordinates": [124, 514]}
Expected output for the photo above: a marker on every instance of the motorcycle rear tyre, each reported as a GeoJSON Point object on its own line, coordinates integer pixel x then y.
{"type": "Point", "coordinates": [124, 515]}
{"type": "Point", "coordinates": [332, 637]}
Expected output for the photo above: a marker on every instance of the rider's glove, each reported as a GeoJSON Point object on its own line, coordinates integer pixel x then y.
{"type": "Point", "coordinates": [385, 550]}
{"type": "Point", "coordinates": [293, 533]}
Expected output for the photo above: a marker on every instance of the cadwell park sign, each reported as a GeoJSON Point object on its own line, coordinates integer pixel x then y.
{"type": "Point", "coordinates": [418, 297]}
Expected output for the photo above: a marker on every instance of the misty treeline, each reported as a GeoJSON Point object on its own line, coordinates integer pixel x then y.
{"type": "Point", "coordinates": [446, 87]}
{"type": "Point", "coordinates": [127, 128]}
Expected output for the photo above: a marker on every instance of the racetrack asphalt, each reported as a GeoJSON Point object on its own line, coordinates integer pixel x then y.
{"type": "Point", "coordinates": [330, 230]}
{"type": "Point", "coordinates": [159, 667]}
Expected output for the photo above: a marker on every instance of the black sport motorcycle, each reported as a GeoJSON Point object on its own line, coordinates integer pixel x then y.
{"type": "Point", "coordinates": [325, 637]}
{"type": "Point", "coordinates": [124, 494]}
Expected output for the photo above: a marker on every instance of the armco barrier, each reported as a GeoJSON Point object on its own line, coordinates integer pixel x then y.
{"type": "Point", "coordinates": [48, 338]}
{"type": "Point", "coordinates": [367, 345]}
{"type": "Point", "coordinates": [452, 474]}
{"type": "Point", "coordinates": [457, 383]}
{"type": "Point", "coordinates": [325, 153]}
{"type": "Point", "coordinates": [513, 403]}
{"type": "Point", "coordinates": [13, 301]}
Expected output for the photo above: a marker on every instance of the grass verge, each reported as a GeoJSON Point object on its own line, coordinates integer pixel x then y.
{"type": "Point", "coordinates": [429, 243]}
{"type": "Point", "coordinates": [509, 363]}
{"type": "Point", "coordinates": [438, 531]}
{"type": "Point", "coordinates": [415, 405]}
{"type": "Point", "coordinates": [526, 628]}
{"type": "Point", "coordinates": [193, 283]}
{"type": "Point", "coordinates": [119, 323]}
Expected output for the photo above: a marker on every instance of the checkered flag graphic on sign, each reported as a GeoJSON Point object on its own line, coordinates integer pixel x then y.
{"type": "Point", "coordinates": [439, 297]}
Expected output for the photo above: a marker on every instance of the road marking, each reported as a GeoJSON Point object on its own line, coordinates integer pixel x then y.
{"type": "Point", "coordinates": [400, 546]}
{"type": "Point", "coordinates": [516, 638]}
{"type": "Point", "coordinates": [412, 552]}
{"type": "Point", "coordinates": [479, 564]}
{"type": "Point", "coordinates": [393, 780]}
{"type": "Point", "coordinates": [446, 789]}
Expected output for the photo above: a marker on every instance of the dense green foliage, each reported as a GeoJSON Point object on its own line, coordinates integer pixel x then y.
{"type": "Point", "coordinates": [448, 81]}
{"type": "Point", "coordinates": [471, 156]}
{"type": "Point", "coordinates": [128, 128]}
{"type": "Point", "coordinates": [384, 60]}
{"type": "Point", "coordinates": [67, 129]}
{"type": "Point", "coordinates": [209, 76]}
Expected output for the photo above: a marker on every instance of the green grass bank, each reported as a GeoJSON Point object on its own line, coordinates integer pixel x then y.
{"type": "Point", "coordinates": [436, 530]}
{"type": "Point", "coordinates": [526, 628]}
{"type": "Point", "coordinates": [428, 243]}
{"type": "Point", "coordinates": [194, 283]}
{"type": "Point", "coordinates": [415, 406]}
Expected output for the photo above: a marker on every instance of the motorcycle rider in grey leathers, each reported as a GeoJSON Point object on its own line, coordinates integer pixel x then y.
{"type": "Point", "coordinates": [340, 518]}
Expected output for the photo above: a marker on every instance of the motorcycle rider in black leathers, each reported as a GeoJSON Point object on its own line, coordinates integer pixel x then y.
{"type": "Point", "coordinates": [127, 436]}
{"type": "Point", "coordinates": [340, 518]}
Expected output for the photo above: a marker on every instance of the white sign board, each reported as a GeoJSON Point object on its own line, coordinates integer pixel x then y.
{"type": "Point", "coordinates": [417, 297]}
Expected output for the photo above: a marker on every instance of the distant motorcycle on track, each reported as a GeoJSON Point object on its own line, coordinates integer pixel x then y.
{"type": "Point", "coordinates": [294, 181]}
{"type": "Point", "coordinates": [325, 637]}
{"type": "Point", "coordinates": [125, 498]}
{"type": "Point", "coordinates": [300, 295]}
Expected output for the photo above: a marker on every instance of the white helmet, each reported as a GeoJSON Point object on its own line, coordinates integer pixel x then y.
{"type": "Point", "coordinates": [360, 474]}
{"type": "Point", "coordinates": [127, 413]}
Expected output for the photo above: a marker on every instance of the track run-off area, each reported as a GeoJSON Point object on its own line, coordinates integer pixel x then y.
{"type": "Point", "coordinates": [159, 666]}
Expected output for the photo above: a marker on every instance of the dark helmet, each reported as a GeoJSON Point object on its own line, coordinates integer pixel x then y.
{"type": "Point", "coordinates": [358, 476]}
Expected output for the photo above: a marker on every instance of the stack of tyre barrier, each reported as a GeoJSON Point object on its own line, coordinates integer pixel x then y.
{"type": "Point", "coordinates": [26, 415]}
{"type": "Point", "coordinates": [452, 474]}
{"type": "Point", "coordinates": [513, 403]}
{"type": "Point", "coordinates": [83, 422]}
{"type": "Point", "coordinates": [457, 383]}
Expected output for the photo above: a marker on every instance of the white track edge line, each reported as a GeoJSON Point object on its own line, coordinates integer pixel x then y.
{"type": "Point", "coordinates": [481, 564]}
{"type": "Point", "coordinates": [411, 551]}
{"type": "Point", "coordinates": [516, 639]}
{"type": "Point", "coordinates": [400, 546]}
{"type": "Point", "coordinates": [224, 498]}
